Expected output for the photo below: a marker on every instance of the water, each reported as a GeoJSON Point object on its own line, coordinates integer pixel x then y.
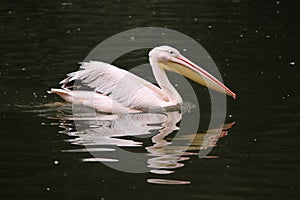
{"type": "Point", "coordinates": [255, 47]}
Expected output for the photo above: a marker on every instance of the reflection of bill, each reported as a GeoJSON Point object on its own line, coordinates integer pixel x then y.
{"type": "Point", "coordinates": [103, 133]}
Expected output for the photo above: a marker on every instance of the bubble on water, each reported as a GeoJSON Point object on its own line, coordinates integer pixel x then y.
{"type": "Point", "coordinates": [261, 73]}
{"type": "Point", "coordinates": [278, 77]}
{"type": "Point", "coordinates": [195, 19]}
{"type": "Point", "coordinates": [23, 69]}
{"type": "Point", "coordinates": [9, 12]}
{"type": "Point", "coordinates": [27, 18]}
{"type": "Point", "coordinates": [209, 26]}
{"type": "Point", "coordinates": [153, 13]}
{"type": "Point", "coordinates": [241, 35]}
{"type": "Point", "coordinates": [256, 31]}
{"type": "Point", "coordinates": [277, 2]}
{"type": "Point", "coordinates": [56, 162]}
{"type": "Point", "coordinates": [47, 189]}
{"type": "Point", "coordinates": [78, 29]}
{"type": "Point", "coordinates": [227, 166]}
{"type": "Point", "coordinates": [254, 139]}
{"type": "Point", "coordinates": [129, 16]}
{"type": "Point", "coordinates": [277, 11]}
{"type": "Point", "coordinates": [68, 31]}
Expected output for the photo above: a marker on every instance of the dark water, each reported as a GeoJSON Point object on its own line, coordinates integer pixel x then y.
{"type": "Point", "coordinates": [255, 46]}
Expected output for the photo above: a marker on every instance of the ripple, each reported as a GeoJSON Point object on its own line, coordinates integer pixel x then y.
{"type": "Point", "coordinates": [168, 182]}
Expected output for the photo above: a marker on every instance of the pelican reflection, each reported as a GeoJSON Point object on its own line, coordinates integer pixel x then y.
{"type": "Point", "coordinates": [152, 138]}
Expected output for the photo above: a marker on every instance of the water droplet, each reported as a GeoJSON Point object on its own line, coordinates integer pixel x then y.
{"type": "Point", "coordinates": [130, 16]}
{"type": "Point", "coordinates": [277, 2]}
{"type": "Point", "coordinates": [195, 19]}
{"type": "Point", "coordinates": [256, 31]}
{"type": "Point", "coordinates": [132, 38]}
{"type": "Point", "coordinates": [78, 29]}
{"type": "Point", "coordinates": [184, 50]}
{"type": "Point", "coordinates": [47, 188]}
{"type": "Point", "coordinates": [277, 11]}
{"type": "Point", "coordinates": [27, 18]}
{"type": "Point", "coordinates": [209, 26]}
{"type": "Point", "coordinates": [66, 4]}
{"type": "Point", "coordinates": [241, 35]}
{"type": "Point", "coordinates": [278, 77]}
{"type": "Point", "coordinates": [283, 97]}
{"type": "Point", "coordinates": [262, 73]}
{"type": "Point", "coordinates": [227, 166]}
{"type": "Point", "coordinates": [268, 36]}
{"type": "Point", "coordinates": [9, 12]}
{"type": "Point", "coordinates": [43, 123]}
{"type": "Point", "coordinates": [254, 139]}
{"type": "Point", "coordinates": [23, 69]}
{"type": "Point", "coordinates": [230, 115]}
{"type": "Point", "coordinates": [56, 162]}
{"type": "Point", "coordinates": [292, 63]}
{"type": "Point", "coordinates": [153, 13]}
{"type": "Point", "coordinates": [68, 31]}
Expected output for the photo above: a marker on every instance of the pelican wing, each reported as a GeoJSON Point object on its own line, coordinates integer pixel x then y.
{"type": "Point", "coordinates": [120, 85]}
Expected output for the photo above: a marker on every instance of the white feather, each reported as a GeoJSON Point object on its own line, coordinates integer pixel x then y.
{"type": "Point", "coordinates": [122, 86]}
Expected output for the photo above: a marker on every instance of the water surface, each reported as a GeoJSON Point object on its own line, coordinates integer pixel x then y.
{"type": "Point", "coordinates": [254, 45]}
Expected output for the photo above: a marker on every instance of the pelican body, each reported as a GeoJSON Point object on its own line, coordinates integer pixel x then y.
{"type": "Point", "coordinates": [118, 91]}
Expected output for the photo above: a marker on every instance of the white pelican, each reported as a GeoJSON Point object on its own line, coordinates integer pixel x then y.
{"type": "Point", "coordinates": [118, 91]}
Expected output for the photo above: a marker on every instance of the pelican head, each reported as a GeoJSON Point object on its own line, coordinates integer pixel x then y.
{"type": "Point", "coordinates": [170, 59]}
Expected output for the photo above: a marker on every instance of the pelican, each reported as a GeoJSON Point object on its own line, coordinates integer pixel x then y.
{"type": "Point", "coordinates": [115, 90]}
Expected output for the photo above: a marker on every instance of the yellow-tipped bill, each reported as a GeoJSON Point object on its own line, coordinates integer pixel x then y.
{"type": "Point", "coordinates": [185, 67]}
